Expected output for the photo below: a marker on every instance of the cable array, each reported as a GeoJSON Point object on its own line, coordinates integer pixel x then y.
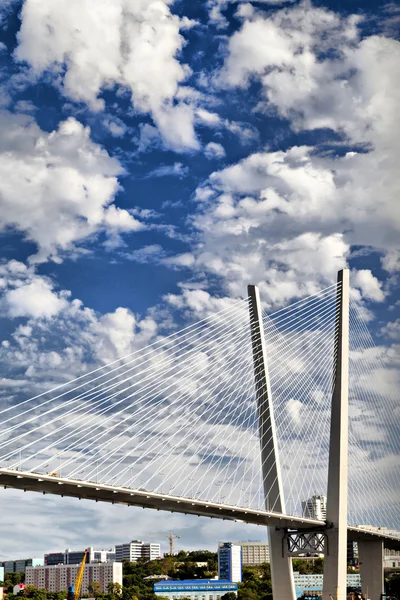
{"type": "Point", "coordinates": [180, 416]}
{"type": "Point", "coordinates": [374, 429]}
{"type": "Point", "coordinates": [301, 347]}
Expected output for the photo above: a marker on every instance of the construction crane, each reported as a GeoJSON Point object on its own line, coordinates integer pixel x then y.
{"type": "Point", "coordinates": [74, 591]}
{"type": "Point", "coordinates": [171, 538]}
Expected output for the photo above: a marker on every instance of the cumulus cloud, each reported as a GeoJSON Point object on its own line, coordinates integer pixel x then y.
{"type": "Point", "coordinates": [214, 150]}
{"type": "Point", "coordinates": [369, 285]}
{"type": "Point", "coordinates": [290, 217]}
{"type": "Point", "coordinates": [57, 188]}
{"type": "Point", "coordinates": [35, 299]}
{"type": "Point", "coordinates": [94, 45]}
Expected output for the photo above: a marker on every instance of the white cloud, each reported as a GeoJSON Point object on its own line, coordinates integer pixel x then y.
{"type": "Point", "coordinates": [392, 330]}
{"type": "Point", "coordinates": [214, 150]}
{"type": "Point", "coordinates": [57, 188]}
{"type": "Point", "coordinates": [369, 285]}
{"type": "Point", "coordinates": [175, 170]}
{"type": "Point", "coordinates": [130, 43]}
{"type": "Point", "coordinates": [245, 9]}
{"type": "Point", "coordinates": [35, 299]}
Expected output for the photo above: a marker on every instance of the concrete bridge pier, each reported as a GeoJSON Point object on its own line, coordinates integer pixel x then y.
{"type": "Point", "coordinates": [370, 556]}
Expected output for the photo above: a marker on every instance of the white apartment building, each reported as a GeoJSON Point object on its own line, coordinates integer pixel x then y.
{"type": "Point", "coordinates": [136, 549]}
{"type": "Point", "coordinates": [254, 553]}
{"type": "Point", "coordinates": [314, 508]}
{"type": "Point", "coordinates": [57, 578]}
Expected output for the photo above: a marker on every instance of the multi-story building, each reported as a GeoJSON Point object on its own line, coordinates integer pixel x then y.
{"type": "Point", "coordinates": [57, 578]}
{"type": "Point", "coordinates": [229, 562]}
{"type": "Point", "coordinates": [254, 553]}
{"type": "Point", "coordinates": [136, 549]}
{"type": "Point", "coordinates": [314, 582]}
{"type": "Point", "coordinates": [314, 508]}
{"type": "Point", "coordinates": [195, 589]}
{"type": "Point", "coordinates": [74, 557]}
{"type": "Point", "coordinates": [352, 553]}
{"type": "Point", "coordinates": [20, 565]}
{"type": "Point", "coordinates": [2, 573]}
{"type": "Point", "coordinates": [391, 559]}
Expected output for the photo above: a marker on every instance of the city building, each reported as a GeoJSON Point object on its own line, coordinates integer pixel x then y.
{"type": "Point", "coordinates": [136, 549]}
{"type": "Point", "coordinates": [352, 553]}
{"type": "Point", "coordinates": [229, 562]}
{"type": "Point", "coordinates": [392, 561]}
{"type": "Point", "coordinates": [195, 589]}
{"type": "Point", "coordinates": [74, 557]}
{"type": "Point", "coordinates": [57, 578]}
{"type": "Point", "coordinates": [2, 573]}
{"type": "Point", "coordinates": [253, 553]}
{"type": "Point", "coordinates": [314, 582]}
{"type": "Point", "coordinates": [20, 565]}
{"type": "Point", "coordinates": [314, 508]}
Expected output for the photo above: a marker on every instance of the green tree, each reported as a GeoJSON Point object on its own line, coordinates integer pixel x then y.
{"type": "Point", "coordinates": [94, 589]}
{"type": "Point", "coordinates": [114, 591]}
{"type": "Point", "coordinates": [229, 596]}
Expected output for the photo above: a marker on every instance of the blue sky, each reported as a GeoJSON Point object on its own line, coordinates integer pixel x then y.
{"type": "Point", "coordinates": [156, 155]}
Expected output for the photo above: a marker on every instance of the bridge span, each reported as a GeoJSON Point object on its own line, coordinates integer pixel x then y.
{"type": "Point", "coordinates": [29, 481]}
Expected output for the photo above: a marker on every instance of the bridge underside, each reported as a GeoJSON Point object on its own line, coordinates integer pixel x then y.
{"type": "Point", "coordinates": [74, 488]}
{"type": "Point", "coordinates": [48, 484]}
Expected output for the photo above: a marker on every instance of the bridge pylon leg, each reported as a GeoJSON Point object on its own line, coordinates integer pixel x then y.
{"type": "Point", "coordinates": [335, 564]}
{"type": "Point", "coordinates": [281, 566]}
{"type": "Point", "coordinates": [370, 556]}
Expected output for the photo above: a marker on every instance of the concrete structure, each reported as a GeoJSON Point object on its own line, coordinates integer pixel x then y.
{"type": "Point", "coordinates": [57, 578]}
{"type": "Point", "coordinates": [195, 589]}
{"type": "Point", "coordinates": [2, 573]}
{"type": "Point", "coordinates": [20, 565]}
{"type": "Point", "coordinates": [281, 567]}
{"type": "Point", "coordinates": [314, 508]}
{"type": "Point", "coordinates": [335, 564]}
{"type": "Point", "coordinates": [370, 556]}
{"type": "Point", "coordinates": [136, 549]}
{"type": "Point", "coordinates": [229, 562]}
{"type": "Point", "coordinates": [74, 557]}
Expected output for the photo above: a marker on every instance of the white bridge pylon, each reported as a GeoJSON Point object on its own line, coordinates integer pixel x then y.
{"type": "Point", "coordinates": [177, 425]}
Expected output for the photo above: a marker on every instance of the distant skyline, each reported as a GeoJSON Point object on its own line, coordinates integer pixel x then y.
{"type": "Point", "coordinates": [158, 156]}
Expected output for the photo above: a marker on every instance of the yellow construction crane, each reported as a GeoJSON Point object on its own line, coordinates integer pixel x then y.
{"type": "Point", "coordinates": [79, 578]}
{"type": "Point", "coordinates": [171, 538]}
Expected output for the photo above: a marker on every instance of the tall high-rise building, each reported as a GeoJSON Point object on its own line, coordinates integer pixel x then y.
{"type": "Point", "coordinates": [314, 508]}
{"type": "Point", "coordinates": [136, 549]}
{"type": "Point", "coordinates": [230, 562]}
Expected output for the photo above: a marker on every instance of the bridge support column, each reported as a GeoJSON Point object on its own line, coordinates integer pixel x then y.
{"type": "Point", "coordinates": [281, 566]}
{"type": "Point", "coordinates": [370, 556]}
{"type": "Point", "coordinates": [335, 564]}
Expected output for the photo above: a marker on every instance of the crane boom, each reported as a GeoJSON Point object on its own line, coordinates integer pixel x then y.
{"type": "Point", "coordinates": [79, 577]}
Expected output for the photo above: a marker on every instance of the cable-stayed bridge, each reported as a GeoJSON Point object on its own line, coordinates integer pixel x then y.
{"type": "Point", "coordinates": [231, 418]}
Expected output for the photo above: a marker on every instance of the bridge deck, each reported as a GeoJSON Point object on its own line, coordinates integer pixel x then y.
{"type": "Point", "coordinates": [75, 488]}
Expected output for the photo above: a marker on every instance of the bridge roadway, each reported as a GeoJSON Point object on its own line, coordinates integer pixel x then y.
{"type": "Point", "coordinates": [100, 492]}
